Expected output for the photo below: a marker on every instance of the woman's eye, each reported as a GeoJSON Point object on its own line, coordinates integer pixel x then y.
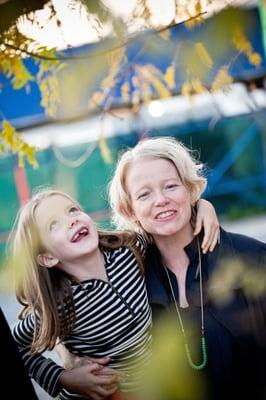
{"type": "Point", "coordinates": [73, 210]}
{"type": "Point", "coordinates": [171, 186]}
{"type": "Point", "coordinates": [143, 195]}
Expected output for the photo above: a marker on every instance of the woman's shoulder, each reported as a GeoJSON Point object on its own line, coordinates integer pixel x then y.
{"type": "Point", "coordinates": [239, 238]}
{"type": "Point", "coordinates": [243, 244]}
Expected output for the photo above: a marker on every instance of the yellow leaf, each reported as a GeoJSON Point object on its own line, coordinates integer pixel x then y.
{"type": "Point", "coordinates": [190, 23]}
{"type": "Point", "coordinates": [222, 80]}
{"type": "Point", "coordinates": [146, 92]}
{"type": "Point", "coordinates": [165, 34]}
{"type": "Point", "coordinates": [135, 81]}
{"type": "Point", "coordinates": [198, 8]}
{"type": "Point", "coordinates": [97, 97]}
{"type": "Point", "coordinates": [115, 56]}
{"type": "Point", "coordinates": [240, 41]}
{"type": "Point", "coordinates": [21, 163]}
{"type": "Point", "coordinates": [14, 141]}
{"type": "Point", "coordinates": [95, 100]}
{"type": "Point", "coordinates": [255, 59]}
{"type": "Point", "coordinates": [8, 133]}
{"type": "Point", "coordinates": [186, 89]}
{"type": "Point", "coordinates": [105, 151]}
{"type": "Point", "coordinates": [31, 156]}
{"type": "Point", "coordinates": [193, 21]}
{"type": "Point", "coordinates": [169, 76]}
{"type": "Point", "coordinates": [135, 101]}
{"type": "Point", "coordinates": [203, 54]}
{"type": "Point", "coordinates": [125, 88]}
{"type": "Point", "coordinates": [50, 94]}
{"type": "Point", "coordinates": [107, 81]}
{"type": "Point", "coordinates": [20, 72]}
{"type": "Point", "coordinates": [149, 71]}
{"type": "Point", "coordinates": [197, 86]}
{"type": "Point", "coordinates": [125, 92]}
{"type": "Point", "coordinates": [161, 88]}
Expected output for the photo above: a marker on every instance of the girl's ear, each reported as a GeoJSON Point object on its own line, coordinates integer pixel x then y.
{"type": "Point", "coordinates": [47, 260]}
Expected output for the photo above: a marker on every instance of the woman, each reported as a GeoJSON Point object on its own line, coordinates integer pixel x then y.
{"type": "Point", "coordinates": [155, 186]}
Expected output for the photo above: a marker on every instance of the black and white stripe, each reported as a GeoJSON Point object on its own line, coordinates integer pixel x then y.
{"type": "Point", "coordinates": [112, 319]}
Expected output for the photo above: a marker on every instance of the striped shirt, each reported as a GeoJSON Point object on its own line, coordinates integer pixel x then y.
{"type": "Point", "coordinates": [113, 319]}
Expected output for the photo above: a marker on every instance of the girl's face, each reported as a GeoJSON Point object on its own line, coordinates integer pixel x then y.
{"type": "Point", "coordinates": [159, 200]}
{"type": "Point", "coordinates": [66, 232]}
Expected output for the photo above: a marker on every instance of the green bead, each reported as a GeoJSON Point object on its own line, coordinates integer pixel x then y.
{"type": "Point", "coordinates": [204, 356]}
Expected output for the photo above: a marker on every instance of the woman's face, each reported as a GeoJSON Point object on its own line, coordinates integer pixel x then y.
{"type": "Point", "coordinates": [160, 202]}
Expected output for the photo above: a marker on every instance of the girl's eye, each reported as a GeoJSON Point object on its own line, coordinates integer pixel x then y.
{"type": "Point", "coordinates": [73, 210]}
{"type": "Point", "coordinates": [52, 225]}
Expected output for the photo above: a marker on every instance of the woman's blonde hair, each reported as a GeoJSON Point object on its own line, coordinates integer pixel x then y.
{"type": "Point", "coordinates": [189, 169]}
{"type": "Point", "coordinates": [46, 293]}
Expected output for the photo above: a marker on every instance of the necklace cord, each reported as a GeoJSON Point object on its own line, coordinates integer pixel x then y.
{"type": "Point", "coordinates": [203, 342]}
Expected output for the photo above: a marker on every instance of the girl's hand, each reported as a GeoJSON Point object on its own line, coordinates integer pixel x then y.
{"type": "Point", "coordinates": [70, 360]}
{"type": "Point", "coordinates": [207, 219]}
{"type": "Point", "coordinates": [91, 380]}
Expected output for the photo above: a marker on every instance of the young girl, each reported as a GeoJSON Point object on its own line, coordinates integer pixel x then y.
{"type": "Point", "coordinates": [84, 288]}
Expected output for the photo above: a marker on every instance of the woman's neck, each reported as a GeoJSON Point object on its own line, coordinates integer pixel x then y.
{"type": "Point", "coordinates": [172, 249]}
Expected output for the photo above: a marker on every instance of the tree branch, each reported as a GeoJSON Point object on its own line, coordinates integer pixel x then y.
{"type": "Point", "coordinates": [98, 53]}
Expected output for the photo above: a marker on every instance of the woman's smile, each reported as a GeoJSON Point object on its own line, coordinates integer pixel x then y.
{"type": "Point", "coordinates": [166, 215]}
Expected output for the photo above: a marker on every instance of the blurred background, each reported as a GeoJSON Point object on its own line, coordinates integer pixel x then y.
{"type": "Point", "coordinates": [82, 80]}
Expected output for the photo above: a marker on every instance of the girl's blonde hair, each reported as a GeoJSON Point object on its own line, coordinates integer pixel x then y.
{"type": "Point", "coordinates": [189, 169]}
{"type": "Point", "coordinates": [46, 293]}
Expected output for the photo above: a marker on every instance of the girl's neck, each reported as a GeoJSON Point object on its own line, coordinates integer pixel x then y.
{"type": "Point", "coordinates": [84, 268]}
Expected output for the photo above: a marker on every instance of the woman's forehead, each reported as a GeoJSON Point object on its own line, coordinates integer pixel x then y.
{"type": "Point", "coordinates": [152, 169]}
{"type": "Point", "coordinates": [140, 163]}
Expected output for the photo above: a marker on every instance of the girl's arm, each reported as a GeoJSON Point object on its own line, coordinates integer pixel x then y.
{"type": "Point", "coordinates": [43, 370]}
{"type": "Point", "coordinates": [91, 379]}
{"type": "Point", "coordinates": [207, 219]}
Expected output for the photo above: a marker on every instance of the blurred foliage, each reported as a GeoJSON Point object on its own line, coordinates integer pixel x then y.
{"type": "Point", "coordinates": [14, 49]}
{"type": "Point", "coordinates": [195, 61]}
{"type": "Point", "coordinates": [235, 212]}
{"type": "Point", "coordinates": [11, 139]}
{"type": "Point", "coordinates": [169, 361]}
{"type": "Point", "coordinates": [232, 275]}
{"type": "Point", "coordinates": [12, 10]}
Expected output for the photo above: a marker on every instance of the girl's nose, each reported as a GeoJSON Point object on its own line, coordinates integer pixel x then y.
{"type": "Point", "coordinates": [72, 223]}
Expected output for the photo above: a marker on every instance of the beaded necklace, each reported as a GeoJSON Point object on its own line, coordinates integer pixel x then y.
{"type": "Point", "coordinates": [203, 342]}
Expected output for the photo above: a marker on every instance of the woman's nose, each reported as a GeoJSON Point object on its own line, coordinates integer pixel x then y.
{"type": "Point", "coordinates": [161, 200]}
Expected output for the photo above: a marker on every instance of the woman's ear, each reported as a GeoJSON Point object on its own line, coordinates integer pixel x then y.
{"type": "Point", "coordinates": [133, 218]}
{"type": "Point", "coordinates": [129, 214]}
{"type": "Point", "coordinates": [47, 260]}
